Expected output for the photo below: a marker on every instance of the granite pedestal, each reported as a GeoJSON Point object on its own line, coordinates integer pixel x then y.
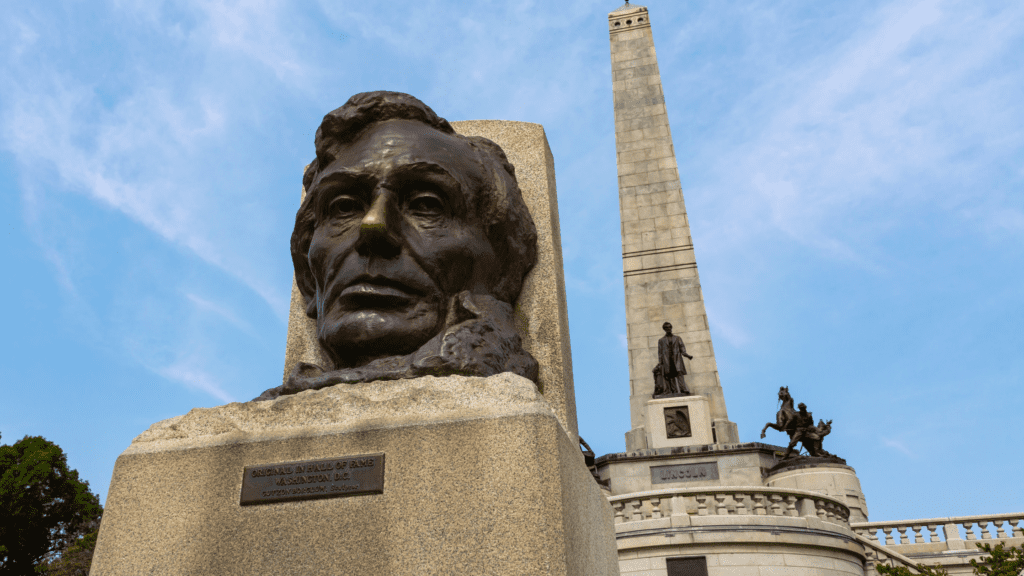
{"type": "Point", "coordinates": [479, 478]}
{"type": "Point", "coordinates": [693, 410]}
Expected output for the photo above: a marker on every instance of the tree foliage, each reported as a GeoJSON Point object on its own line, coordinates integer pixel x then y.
{"type": "Point", "coordinates": [75, 560]}
{"type": "Point", "coordinates": [1001, 561]}
{"type": "Point", "coordinates": [44, 506]}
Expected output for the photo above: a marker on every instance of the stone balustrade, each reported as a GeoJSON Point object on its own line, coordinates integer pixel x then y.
{"type": "Point", "coordinates": [875, 555]}
{"type": "Point", "coordinates": [940, 534]}
{"type": "Point", "coordinates": [728, 501]}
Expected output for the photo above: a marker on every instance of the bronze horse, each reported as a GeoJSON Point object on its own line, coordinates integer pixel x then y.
{"type": "Point", "coordinates": [785, 418]}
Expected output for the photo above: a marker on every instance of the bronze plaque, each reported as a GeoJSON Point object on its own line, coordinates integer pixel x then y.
{"type": "Point", "coordinates": [677, 422]}
{"type": "Point", "coordinates": [308, 479]}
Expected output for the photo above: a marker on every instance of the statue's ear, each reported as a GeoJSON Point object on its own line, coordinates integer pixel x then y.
{"type": "Point", "coordinates": [302, 235]}
{"type": "Point", "coordinates": [311, 307]}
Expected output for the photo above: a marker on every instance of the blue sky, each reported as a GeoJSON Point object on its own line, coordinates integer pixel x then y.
{"type": "Point", "coordinates": [854, 177]}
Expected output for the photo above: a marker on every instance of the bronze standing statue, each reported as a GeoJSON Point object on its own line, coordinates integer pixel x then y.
{"type": "Point", "coordinates": [668, 374]}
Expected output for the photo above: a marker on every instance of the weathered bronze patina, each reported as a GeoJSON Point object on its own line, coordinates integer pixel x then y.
{"type": "Point", "coordinates": [799, 425]}
{"type": "Point", "coordinates": [677, 422]}
{"type": "Point", "coordinates": [785, 418]}
{"type": "Point", "coordinates": [410, 248]}
{"type": "Point", "coordinates": [668, 374]}
{"type": "Point", "coordinates": [808, 435]}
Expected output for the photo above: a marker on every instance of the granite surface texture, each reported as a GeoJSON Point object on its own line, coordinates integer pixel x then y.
{"type": "Point", "coordinates": [541, 313]}
{"type": "Point", "coordinates": [480, 478]}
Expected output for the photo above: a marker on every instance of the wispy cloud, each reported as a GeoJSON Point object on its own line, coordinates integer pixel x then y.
{"type": "Point", "coordinates": [149, 130]}
{"type": "Point", "coordinates": [220, 310]}
{"type": "Point", "coordinates": [901, 113]}
{"type": "Point", "coordinates": [188, 374]}
{"type": "Point", "coordinates": [57, 119]}
{"type": "Point", "coordinates": [733, 333]}
{"type": "Point", "coordinates": [899, 446]}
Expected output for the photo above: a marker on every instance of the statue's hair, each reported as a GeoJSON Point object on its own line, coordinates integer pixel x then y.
{"type": "Point", "coordinates": [507, 221]}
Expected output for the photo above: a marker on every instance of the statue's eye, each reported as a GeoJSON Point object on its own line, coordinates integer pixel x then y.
{"type": "Point", "coordinates": [345, 206]}
{"type": "Point", "coordinates": [426, 204]}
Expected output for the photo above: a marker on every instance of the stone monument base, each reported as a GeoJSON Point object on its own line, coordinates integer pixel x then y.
{"type": "Point", "coordinates": [696, 412]}
{"type": "Point", "coordinates": [478, 478]}
{"type": "Point", "coordinates": [825, 475]}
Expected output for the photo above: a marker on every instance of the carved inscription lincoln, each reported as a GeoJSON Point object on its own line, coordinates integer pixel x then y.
{"type": "Point", "coordinates": [684, 472]}
{"type": "Point", "coordinates": [343, 476]}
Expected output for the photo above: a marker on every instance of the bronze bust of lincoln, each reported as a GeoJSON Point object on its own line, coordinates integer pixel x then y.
{"type": "Point", "coordinates": [410, 248]}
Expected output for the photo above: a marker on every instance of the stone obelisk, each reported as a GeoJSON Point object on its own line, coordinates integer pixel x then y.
{"type": "Point", "coordinates": [658, 260]}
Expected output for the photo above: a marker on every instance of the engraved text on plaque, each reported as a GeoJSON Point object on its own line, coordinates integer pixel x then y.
{"type": "Point", "coordinates": [326, 478]}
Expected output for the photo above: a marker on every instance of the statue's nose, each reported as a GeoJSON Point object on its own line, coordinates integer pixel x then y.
{"type": "Point", "coordinates": [379, 229]}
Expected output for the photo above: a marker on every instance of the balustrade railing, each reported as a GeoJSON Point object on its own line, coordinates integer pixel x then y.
{"type": "Point", "coordinates": [931, 531]}
{"type": "Point", "coordinates": [874, 554]}
{"type": "Point", "coordinates": [728, 501]}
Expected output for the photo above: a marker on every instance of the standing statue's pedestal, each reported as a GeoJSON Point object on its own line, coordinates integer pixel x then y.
{"type": "Point", "coordinates": [479, 478]}
{"type": "Point", "coordinates": [678, 421]}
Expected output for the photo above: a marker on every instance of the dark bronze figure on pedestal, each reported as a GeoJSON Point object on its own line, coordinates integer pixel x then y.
{"type": "Point", "coordinates": [410, 248]}
{"type": "Point", "coordinates": [807, 434]}
{"type": "Point", "coordinates": [668, 374]}
{"type": "Point", "coordinates": [799, 425]}
{"type": "Point", "coordinates": [785, 418]}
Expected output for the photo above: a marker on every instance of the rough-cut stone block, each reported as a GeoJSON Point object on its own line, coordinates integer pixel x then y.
{"type": "Point", "coordinates": [633, 155]}
{"type": "Point", "coordinates": [633, 179]}
{"type": "Point", "coordinates": [638, 85]}
{"type": "Point", "coordinates": [632, 226]}
{"type": "Point", "coordinates": [629, 136]}
{"type": "Point", "coordinates": [479, 478]}
{"type": "Point", "coordinates": [704, 364]}
{"type": "Point", "coordinates": [656, 132]}
{"type": "Point", "coordinates": [681, 295]}
{"type": "Point", "coordinates": [636, 439]}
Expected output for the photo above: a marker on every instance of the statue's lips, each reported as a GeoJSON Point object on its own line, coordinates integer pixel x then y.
{"type": "Point", "coordinates": [372, 294]}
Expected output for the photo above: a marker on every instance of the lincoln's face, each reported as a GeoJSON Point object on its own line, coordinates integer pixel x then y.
{"type": "Point", "coordinates": [396, 236]}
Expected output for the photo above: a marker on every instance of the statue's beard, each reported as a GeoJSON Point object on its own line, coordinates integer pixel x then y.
{"type": "Point", "coordinates": [357, 338]}
{"type": "Point", "coordinates": [478, 338]}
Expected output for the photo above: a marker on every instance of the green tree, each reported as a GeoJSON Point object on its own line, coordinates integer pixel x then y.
{"type": "Point", "coordinates": [1001, 561]}
{"type": "Point", "coordinates": [74, 560]}
{"type": "Point", "coordinates": [44, 506]}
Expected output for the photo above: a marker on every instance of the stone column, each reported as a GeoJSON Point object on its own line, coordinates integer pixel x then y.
{"type": "Point", "coordinates": [658, 260]}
